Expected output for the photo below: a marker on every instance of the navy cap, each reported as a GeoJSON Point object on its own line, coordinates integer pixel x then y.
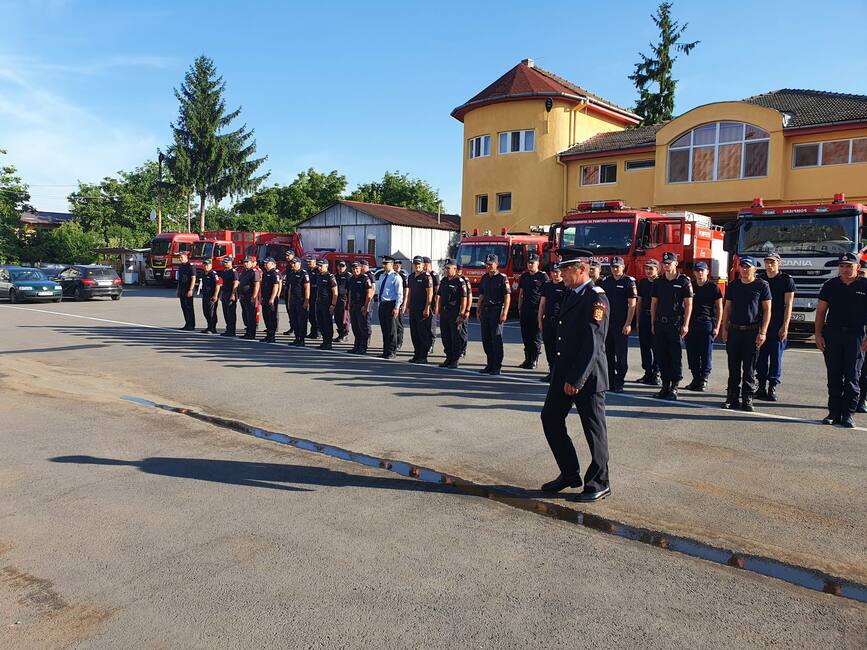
{"type": "Point", "coordinates": [555, 266]}
{"type": "Point", "coordinates": [398, 261]}
{"type": "Point", "coordinates": [491, 258]}
{"type": "Point", "coordinates": [207, 260]}
{"type": "Point", "coordinates": [365, 263]}
{"type": "Point", "coordinates": [269, 259]}
{"type": "Point", "coordinates": [418, 259]}
{"type": "Point", "coordinates": [652, 262]}
{"type": "Point", "coordinates": [618, 261]}
{"type": "Point", "coordinates": [295, 260]}
{"type": "Point", "coordinates": [669, 257]}
{"type": "Point", "coordinates": [746, 260]}
{"type": "Point", "coordinates": [387, 258]}
{"type": "Point", "coordinates": [322, 262]}
{"type": "Point", "coordinates": [310, 257]}
{"type": "Point", "coordinates": [595, 264]}
{"type": "Point", "coordinates": [341, 262]}
{"type": "Point", "coordinates": [570, 255]}
{"type": "Point", "coordinates": [774, 256]}
{"type": "Point", "coordinates": [533, 257]}
{"type": "Point", "coordinates": [450, 262]}
{"type": "Point", "coordinates": [426, 260]}
{"type": "Point", "coordinates": [356, 265]}
{"type": "Point", "coordinates": [250, 258]}
{"type": "Point", "coordinates": [290, 252]}
{"type": "Point", "coordinates": [700, 266]}
{"type": "Point", "coordinates": [228, 259]}
{"type": "Point", "coordinates": [848, 258]}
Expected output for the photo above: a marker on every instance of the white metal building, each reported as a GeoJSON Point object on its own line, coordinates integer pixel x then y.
{"type": "Point", "coordinates": [359, 227]}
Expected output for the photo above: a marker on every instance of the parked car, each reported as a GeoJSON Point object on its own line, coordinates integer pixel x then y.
{"type": "Point", "coordinates": [84, 282]}
{"type": "Point", "coordinates": [18, 283]}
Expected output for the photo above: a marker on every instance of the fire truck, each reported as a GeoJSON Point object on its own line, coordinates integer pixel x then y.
{"type": "Point", "coordinates": [217, 244]}
{"type": "Point", "coordinates": [808, 238]}
{"type": "Point", "coordinates": [511, 249]}
{"type": "Point", "coordinates": [269, 244]}
{"type": "Point", "coordinates": [162, 258]}
{"type": "Point", "coordinates": [608, 229]}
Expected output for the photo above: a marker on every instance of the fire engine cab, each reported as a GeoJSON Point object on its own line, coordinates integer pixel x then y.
{"type": "Point", "coordinates": [512, 251]}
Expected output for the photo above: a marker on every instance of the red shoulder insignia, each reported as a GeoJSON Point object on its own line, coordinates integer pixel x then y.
{"type": "Point", "coordinates": [598, 311]}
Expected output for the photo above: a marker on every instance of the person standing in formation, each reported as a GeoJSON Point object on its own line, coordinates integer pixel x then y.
{"type": "Point", "coordinates": [451, 304]}
{"type": "Point", "coordinates": [249, 285]}
{"type": "Point", "coordinates": [186, 284]}
{"type": "Point", "coordinates": [494, 299]}
{"type": "Point", "coordinates": [622, 295]}
{"type": "Point", "coordinates": [326, 301]}
{"type": "Point", "coordinates": [399, 327]}
{"type": "Point", "coordinates": [435, 279]}
{"type": "Point", "coordinates": [769, 365]}
{"type": "Point", "coordinates": [313, 273]}
{"type": "Point", "coordinates": [360, 295]}
{"type": "Point", "coordinates": [271, 282]}
{"type": "Point", "coordinates": [290, 257]}
{"type": "Point", "coordinates": [465, 316]}
{"type": "Point", "coordinates": [299, 300]}
{"type": "Point", "coordinates": [530, 286]}
{"type": "Point", "coordinates": [595, 271]}
{"type": "Point", "coordinates": [210, 296]}
{"type": "Point", "coordinates": [645, 324]}
{"type": "Point", "coordinates": [549, 308]}
{"type": "Point", "coordinates": [671, 308]}
{"type": "Point", "coordinates": [341, 309]}
{"type": "Point", "coordinates": [390, 291]}
{"type": "Point", "coordinates": [704, 326]}
{"type": "Point", "coordinates": [420, 299]}
{"type": "Point", "coordinates": [229, 296]}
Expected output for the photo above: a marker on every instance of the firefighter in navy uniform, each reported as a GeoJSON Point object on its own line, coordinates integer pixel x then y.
{"type": "Point", "coordinates": [451, 304]}
{"type": "Point", "coordinates": [549, 308]}
{"type": "Point", "coordinates": [360, 291]}
{"type": "Point", "coordinates": [670, 307]}
{"type": "Point", "coordinates": [463, 333]}
{"type": "Point", "coordinates": [290, 256]}
{"type": "Point", "coordinates": [313, 273]}
{"type": "Point", "coordinates": [186, 283]}
{"type": "Point", "coordinates": [249, 284]}
{"type": "Point", "coordinates": [399, 327]}
{"type": "Point", "coordinates": [326, 301]}
{"type": "Point", "coordinates": [645, 324]}
{"type": "Point", "coordinates": [622, 295]}
{"type": "Point", "coordinates": [862, 382]}
{"type": "Point", "coordinates": [271, 283]}
{"type": "Point", "coordinates": [210, 296]}
{"type": "Point", "coordinates": [229, 296]}
{"type": "Point", "coordinates": [769, 366]}
{"type": "Point", "coordinates": [341, 309]}
{"type": "Point", "coordinates": [580, 377]}
{"type": "Point", "coordinates": [704, 326]}
{"type": "Point", "coordinates": [435, 278]}
{"type": "Point", "coordinates": [530, 286]}
{"type": "Point", "coordinates": [494, 298]}
{"type": "Point", "coordinates": [841, 315]}
{"type": "Point", "coordinates": [595, 271]}
{"type": "Point", "coordinates": [420, 311]}
{"type": "Point", "coordinates": [299, 300]}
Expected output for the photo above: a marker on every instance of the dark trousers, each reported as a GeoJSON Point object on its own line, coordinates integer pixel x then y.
{"type": "Point", "coordinates": [399, 330]}
{"type": "Point", "coordinates": [699, 348]}
{"type": "Point", "coordinates": [361, 329]}
{"type": "Point", "coordinates": [298, 316]}
{"type": "Point", "coordinates": [271, 316]}
{"type": "Point", "coordinates": [645, 342]}
{"type": "Point", "coordinates": [325, 320]}
{"type": "Point", "coordinates": [591, 410]}
{"type": "Point", "coordinates": [289, 314]}
{"type": "Point", "coordinates": [341, 316]}
{"type": "Point", "coordinates": [465, 337]}
{"type": "Point", "coordinates": [667, 351]}
{"type": "Point", "coordinates": [616, 348]}
{"type": "Point", "coordinates": [769, 365]}
{"type": "Point", "coordinates": [530, 334]}
{"type": "Point", "coordinates": [549, 338]}
{"type": "Point", "coordinates": [248, 315]}
{"type": "Point", "coordinates": [433, 332]}
{"type": "Point", "coordinates": [742, 354]}
{"type": "Point", "coordinates": [230, 315]}
{"type": "Point", "coordinates": [209, 309]}
{"type": "Point", "coordinates": [388, 324]}
{"type": "Point", "coordinates": [188, 311]}
{"type": "Point", "coordinates": [451, 335]}
{"type": "Point", "coordinates": [421, 334]}
{"type": "Point", "coordinates": [862, 383]}
{"type": "Point", "coordinates": [843, 360]}
{"type": "Point", "coordinates": [314, 326]}
{"type": "Point", "coordinates": [492, 336]}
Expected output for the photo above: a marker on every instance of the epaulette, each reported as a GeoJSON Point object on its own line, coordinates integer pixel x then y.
{"type": "Point", "coordinates": [598, 289]}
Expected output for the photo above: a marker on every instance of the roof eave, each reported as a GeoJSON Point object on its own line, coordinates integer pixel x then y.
{"type": "Point", "coordinates": [621, 151]}
{"type": "Point", "coordinates": [611, 111]}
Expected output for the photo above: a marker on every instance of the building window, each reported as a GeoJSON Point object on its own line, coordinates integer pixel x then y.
{"type": "Point", "coordinates": [718, 152]}
{"type": "Point", "coordinates": [835, 152]}
{"type": "Point", "coordinates": [350, 245]}
{"type": "Point", "coordinates": [481, 204]}
{"type": "Point", "coordinates": [480, 146]}
{"type": "Point", "coordinates": [517, 141]}
{"type": "Point", "coordinates": [371, 245]}
{"type": "Point", "coordinates": [504, 202]}
{"type": "Point", "coordinates": [629, 165]}
{"type": "Point", "coordinates": [605, 174]}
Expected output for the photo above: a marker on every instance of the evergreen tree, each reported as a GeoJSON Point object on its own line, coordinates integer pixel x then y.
{"type": "Point", "coordinates": [214, 161]}
{"type": "Point", "coordinates": [657, 105]}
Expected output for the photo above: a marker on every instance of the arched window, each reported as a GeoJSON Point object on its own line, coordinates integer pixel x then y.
{"type": "Point", "coordinates": [717, 152]}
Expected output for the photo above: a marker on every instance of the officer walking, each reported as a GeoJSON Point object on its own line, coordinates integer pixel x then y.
{"type": "Point", "coordinates": [530, 286]}
{"type": "Point", "coordinates": [745, 320]}
{"type": "Point", "coordinates": [645, 324]}
{"type": "Point", "coordinates": [398, 268]}
{"type": "Point", "coordinates": [840, 317]}
{"type": "Point", "coordinates": [360, 291]}
{"type": "Point", "coordinates": [420, 299]}
{"type": "Point", "coordinates": [670, 311]}
{"type": "Point", "coordinates": [390, 291]}
{"type": "Point", "coordinates": [704, 326]}
{"type": "Point", "coordinates": [299, 300]}
{"type": "Point", "coordinates": [313, 272]}
{"type": "Point", "coordinates": [549, 308]}
{"type": "Point", "coordinates": [435, 278]}
{"type": "Point", "coordinates": [493, 309]}
{"type": "Point", "coordinates": [186, 284]}
{"type": "Point", "coordinates": [451, 304]}
{"type": "Point", "coordinates": [326, 301]}
{"type": "Point", "coordinates": [769, 365]}
{"type": "Point", "coordinates": [271, 282]}
{"type": "Point", "coordinates": [580, 377]}
{"type": "Point", "coordinates": [341, 309]}
{"type": "Point", "coordinates": [249, 284]}
{"type": "Point", "coordinates": [210, 296]}
{"type": "Point", "coordinates": [290, 257]}
{"type": "Point", "coordinates": [622, 296]}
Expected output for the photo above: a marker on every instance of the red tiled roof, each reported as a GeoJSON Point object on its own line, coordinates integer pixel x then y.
{"type": "Point", "coordinates": [405, 216]}
{"type": "Point", "coordinates": [526, 80]}
{"type": "Point", "coordinates": [805, 108]}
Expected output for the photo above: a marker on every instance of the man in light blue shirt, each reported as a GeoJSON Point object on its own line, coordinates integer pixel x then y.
{"type": "Point", "coordinates": [389, 288]}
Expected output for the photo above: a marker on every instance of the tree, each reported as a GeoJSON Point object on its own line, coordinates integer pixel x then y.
{"type": "Point", "coordinates": [216, 163]}
{"type": "Point", "coordinates": [14, 198]}
{"type": "Point", "coordinates": [69, 244]}
{"type": "Point", "coordinates": [655, 106]}
{"type": "Point", "coordinates": [400, 190]}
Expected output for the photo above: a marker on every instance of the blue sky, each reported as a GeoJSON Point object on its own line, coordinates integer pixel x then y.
{"type": "Point", "coordinates": [362, 87]}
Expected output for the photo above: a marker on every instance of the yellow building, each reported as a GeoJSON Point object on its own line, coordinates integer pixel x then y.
{"type": "Point", "coordinates": [786, 146]}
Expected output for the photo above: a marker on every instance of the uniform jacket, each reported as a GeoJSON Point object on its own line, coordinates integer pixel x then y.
{"type": "Point", "coordinates": [582, 326]}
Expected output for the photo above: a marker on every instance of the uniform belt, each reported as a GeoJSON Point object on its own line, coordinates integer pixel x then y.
{"type": "Point", "coordinates": [670, 320]}
{"type": "Point", "coordinates": [491, 305]}
{"type": "Point", "coordinates": [745, 328]}
{"type": "Point", "coordinates": [846, 328]}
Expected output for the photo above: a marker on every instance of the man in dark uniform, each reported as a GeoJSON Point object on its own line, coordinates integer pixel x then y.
{"type": "Point", "coordinates": [745, 320]}
{"type": "Point", "coordinates": [341, 309]}
{"type": "Point", "coordinates": [529, 294]}
{"type": "Point", "coordinates": [703, 326]}
{"type": "Point", "coordinates": [299, 300]}
{"type": "Point", "coordinates": [420, 299]}
{"type": "Point", "coordinates": [862, 382]}
{"type": "Point", "coordinates": [186, 283]}
{"type": "Point", "coordinates": [229, 296]}
{"type": "Point", "coordinates": [450, 307]}
{"type": "Point", "coordinates": [595, 271]}
{"type": "Point", "coordinates": [210, 296]}
{"type": "Point", "coordinates": [271, 282]}
{"type": "Point", "coordinates": [360, 291]}
{"type": "Point", "coordinates": [326, 301]}
{"type": "Point", "coordinates": [622, 295]}
{"type": "Point", "coordinates": [671, 308]}
{"type": "Point", "coordinates": [769, 365]}
{"type": "Point", "coordinates": [249, 284]}
{"type": "Point", "coordinates": [840, 317]}
{"type": "Point", "coordinates": [390, 292]}
{"type": "Point", "coordinates": [580, 377]}
{"type": "Point", "coordinates": [645, 324]}
{"type": "Point", "coordinates": [494, 299]}
{"type": "Point", "coordinates": [290, 256]}
{"type": "Point", "coordinates": [399, 328]}
{"type": "Point", "coordinates": [463, 332]}
{"type": "Point", "coordinates": [549, 308]}
{"type": "Point", "coordinates": [313, 273]}
{"type": "Point", "coordinates": [435, 278]}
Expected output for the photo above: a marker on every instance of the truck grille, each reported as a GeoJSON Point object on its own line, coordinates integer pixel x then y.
{"type": "Point", "coordinates": [808, 283]}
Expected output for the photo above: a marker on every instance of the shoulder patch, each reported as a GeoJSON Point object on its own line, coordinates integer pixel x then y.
{"type": "Point", "coordinates": [598, 311]}
{"type": "Point", "coordinates": [598, 289]}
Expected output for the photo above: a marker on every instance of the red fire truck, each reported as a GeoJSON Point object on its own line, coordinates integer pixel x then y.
{"type": "Point", "coordinates": [269, 244]}
{"type": "Point", "coordinates": [511, 249]}
{"type": "Point", "coordinates": [164, 249]}
{"type": "Point", "coordinates": [217, 244]}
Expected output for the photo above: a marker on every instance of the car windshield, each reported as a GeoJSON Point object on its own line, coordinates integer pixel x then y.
{"type": "Point", "coordinates": [600, 236]}
{"type": "Point", "coordinates": [472, 256]}
{"type": "Point", "coordinates": [27, 275]}
{"type": "Point", "coordinates": [819, 236]}
{"type": "Point", "coordinates": [160, 246]}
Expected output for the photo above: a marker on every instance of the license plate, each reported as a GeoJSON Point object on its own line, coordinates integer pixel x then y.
{"type": "Point", "coordinates": [45, 293]}
{"type": "Point", "coordinates": [105, 284]}
{"type": "Point", "coordinates": [796, 315]}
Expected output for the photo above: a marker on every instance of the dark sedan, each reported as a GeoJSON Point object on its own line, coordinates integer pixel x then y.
{"type": "Point", "coordinates": [86, 282]}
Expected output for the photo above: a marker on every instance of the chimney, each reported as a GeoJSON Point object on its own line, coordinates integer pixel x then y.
{"type": "Point", "coordinates": [529, 63]}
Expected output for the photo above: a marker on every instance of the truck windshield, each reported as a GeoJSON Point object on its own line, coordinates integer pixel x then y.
{"type": "Point", "coordinates": [600, 236]}
{"type": "Point", "coordinates": [816, 236]}
{"type": "Point", "coordinates": [472, 256]}
{"type": "Point", "coordinates": [160, 246]}
{"type": "Point", "coordinates": [203, 249]}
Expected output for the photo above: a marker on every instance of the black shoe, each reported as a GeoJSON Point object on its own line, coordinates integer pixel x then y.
{"type": "Point", "coordinates": [532, 365]}
{"type": "Point", "coordinates": [546, 379]}
{"type": "Point", "coordinates": [589, 497]}
{"type": "Point", "coordinates": [731, 403]}
{"type": "Point", "coordinates": [747, 405]}
{"type": "Point", "coordinates": [643, 379]}
{"type": "Point", "coordinates": [186, 329]}
{"type": "Point", "coordinates": [617, 388]}
{"type": "Point", "coordinates": [772, 393]}
{"type": "Point", "coordinates": [666, 386]}
{"type": "Point", "coordinates": [452, 365]}
{"type": "Point", "coordinates": [671, 395]}
{"type": "Point", "coordinates": [693, 385]}
{"type": "Point", "coordinates": [227, 334]}
{"type": "Point", "coordinates": [205, 331]}
{"type": "Point", "coordinates": [524, 364]}
{"type": "Point", "coordinates": [339, 339]}
{"type": "Point", "coordinates": [288, 332]}
{"type": "Point", "coordinates": [494, 371]}
{"type": "Point", "coordinates": [421, 360]}
{"type": "Point", "coordinates": [847, 422]}
{"type": "Point", "coordinates": [412, 359]}
{"type": "Point", "coordinates": [562, 482]}
{"type": "Point", "coordinates": [762, 392]}
{"type": "Point", "coordinates": [862, 406]}
{"type": "Point", "coordinates": [313, 335]}
{"type": "Point", "coordinates": [702, 386]}
{"type": "Point", "coordinates": [654, 380]}
{"type": "Point", "coordinates": [831, 419]}
{"type": "Point", "coordinates": [249, 337]}
{"type": "Point", "coordinates": [444, 364]}
{"type": "Point", "coordinates": [485, 371]}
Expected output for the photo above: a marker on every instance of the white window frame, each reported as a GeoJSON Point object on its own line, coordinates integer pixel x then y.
{"type": "Point", "coordinates": [499, 194]}
{"type": "Point", "coordinates": [487, 201]}
{"type": "Point", "coordinates": [522, 143]}
{"type": "Point", "coordinates": [818, 155]}
{"type": "Point", "coordinates": [581, 182]}
{"type": "Point", "coordinates": [820, 160]}
{"type": "Point", "coordinates": [627, 168]}
{"type": "Point", "coordinates": [482, 140]}
{"type": "Point", "coordinates": [716, 145]}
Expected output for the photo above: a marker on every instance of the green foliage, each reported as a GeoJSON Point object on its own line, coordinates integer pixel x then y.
{"type": "Point", "coordinates": [14, 197]}
{"type": "Point", "coordinates": [205, 157]}
{"type": "Point", "coordinates": [400, 190]}
{"type": "Point", "coordinates": [655, 106]}
{"type": "Point", "coordinates": [69, 244]}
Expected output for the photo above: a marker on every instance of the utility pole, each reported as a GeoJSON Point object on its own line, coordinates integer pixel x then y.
{"type": "Point", "coordinates": [160, 158]}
